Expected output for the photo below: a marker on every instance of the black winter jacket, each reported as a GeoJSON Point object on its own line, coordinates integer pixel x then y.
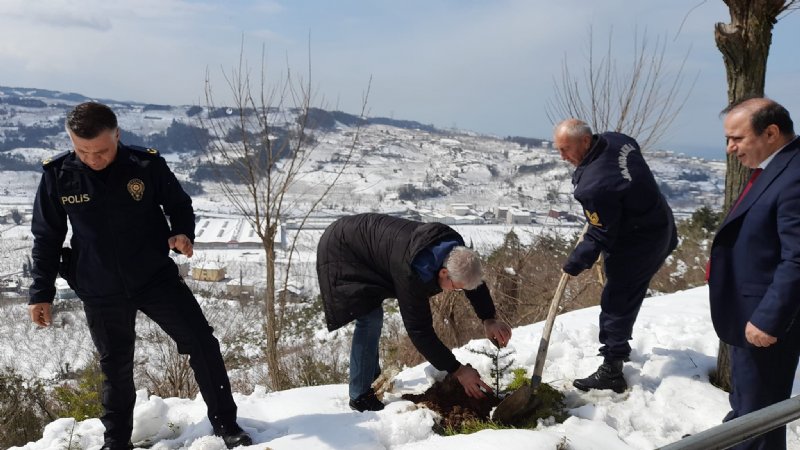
{"type": "Point", "coordinates": [366, 258]}
{"type": "Point", "coordinates": [119, 244]}
{"type": "Point", "coordinates": [630, 221]}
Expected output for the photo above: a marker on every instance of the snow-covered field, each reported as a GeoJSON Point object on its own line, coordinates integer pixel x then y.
{"type": "Point", "coordinates": [674, 348]}
{"type": "Point", "coordinates": [671, 354]}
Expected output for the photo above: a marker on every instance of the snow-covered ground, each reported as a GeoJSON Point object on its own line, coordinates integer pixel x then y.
{"type": "Point", "coordinates": [670, 361]}
{"type": "Point", "coordinates": [674, 348]}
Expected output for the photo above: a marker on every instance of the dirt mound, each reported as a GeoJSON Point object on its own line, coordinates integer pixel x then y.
{"type": "Point", "coordinates": [449, 400]}
{"type": "Point", "coordinates": [456, 408]}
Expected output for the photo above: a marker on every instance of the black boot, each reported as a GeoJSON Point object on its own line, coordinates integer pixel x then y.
{"type": "Point", "coordinates": [367, 401]}
{"type": "Point", "coordinates": [113, 446]}
{"type": "Point", "coordinates": [233, 436]}
{"type": "Point", "coordinates": [607, 376]}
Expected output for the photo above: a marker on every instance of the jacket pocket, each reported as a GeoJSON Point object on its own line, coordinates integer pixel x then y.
{"type": "Point", "coordinates": [753, 289]}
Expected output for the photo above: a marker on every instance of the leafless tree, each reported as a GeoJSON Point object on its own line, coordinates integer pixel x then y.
{"type": "Point", "coordinates": [641, 100]}
{"type": "Point", "coordinates": [744, 44]}
{"type": "Point", "coordinates": [258, 153]}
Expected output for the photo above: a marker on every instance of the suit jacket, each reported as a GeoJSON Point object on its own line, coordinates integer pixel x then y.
{"type": "Point", "coordinates": [755, 257]}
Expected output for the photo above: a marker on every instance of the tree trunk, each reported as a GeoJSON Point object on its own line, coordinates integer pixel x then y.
{"type": "Point", "coordinates": [276, 376]}
{"type": "Point", "coordinates": [744, 44]}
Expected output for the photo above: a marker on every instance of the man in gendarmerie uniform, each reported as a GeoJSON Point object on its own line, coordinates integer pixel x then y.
{"type": "Point", "coordinates": [366, 258]}
{"type": "Point", "coordinates": [118, 264]}
{"type": "Point", "coordinates": [630, 224]}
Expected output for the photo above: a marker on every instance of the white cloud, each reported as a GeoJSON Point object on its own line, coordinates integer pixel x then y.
{"type": "Point", "coordinates": [486, 66]}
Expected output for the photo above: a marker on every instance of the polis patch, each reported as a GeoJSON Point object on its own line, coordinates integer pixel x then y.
{"type": "Point", "coordinates": [74, 199]}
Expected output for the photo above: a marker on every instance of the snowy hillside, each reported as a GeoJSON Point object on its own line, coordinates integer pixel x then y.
{"type": "Point", "coordinates": [396, 166]}
{"type": "Point", "coordinates": [400, 167]}
{"type": "Point", "coordinates": [674, 347]}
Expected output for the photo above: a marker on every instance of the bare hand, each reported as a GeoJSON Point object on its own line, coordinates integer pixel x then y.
{"type": "Point", "coordinates": [41, 314]}
{"type": "Point", "coordinates": [758, 337]}
{"type": "Point", "coordinates": [182, 244]}
{"type": "Point", "coordinates": [471, 381]}
{"type": "Point", "coordinates": [498, 331]}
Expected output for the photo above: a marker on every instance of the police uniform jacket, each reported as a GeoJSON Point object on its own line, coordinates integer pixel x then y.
{"type": "Point", "coordinates": [119, 244]}
{"type": "Point", "coordinates": [754, 275]}
{"type": "Point", "coordinates": [366, 258]}
{"type": "Point", "coordinates": [631, 223]}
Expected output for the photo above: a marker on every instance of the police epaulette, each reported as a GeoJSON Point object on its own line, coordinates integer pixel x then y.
{"type": "Point", "coordinates": [149, 151]}
{"type": "Point", "coordinates": [49, 161]}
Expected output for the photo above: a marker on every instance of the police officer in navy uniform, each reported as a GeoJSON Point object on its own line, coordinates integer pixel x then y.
{"type": "Point", "coordinates": [118, 264]}
{"type": "Point", "coordinates": [631, 225]}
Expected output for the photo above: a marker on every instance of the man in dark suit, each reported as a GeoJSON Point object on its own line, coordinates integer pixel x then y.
{"type": "Point", "coordinates": [754, 271]}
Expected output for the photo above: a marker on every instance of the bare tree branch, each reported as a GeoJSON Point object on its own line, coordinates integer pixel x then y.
{"type": "Point", "coordinates": [641, 101]}
{"type": "Point", "coordinates": [262, 143]}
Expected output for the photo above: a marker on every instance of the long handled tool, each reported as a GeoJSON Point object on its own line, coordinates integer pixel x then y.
{"type": "Point", "coordinates": [523, 400]}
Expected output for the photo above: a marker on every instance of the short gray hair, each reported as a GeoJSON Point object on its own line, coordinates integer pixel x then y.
{"type": "Point", "coordinates": [574, 128]}
{"type": "Point", "coordinates": [464, 266]}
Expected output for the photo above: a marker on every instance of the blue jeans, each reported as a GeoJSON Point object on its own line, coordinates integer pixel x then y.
{"type": "Point", "coordinates": [364, 365]}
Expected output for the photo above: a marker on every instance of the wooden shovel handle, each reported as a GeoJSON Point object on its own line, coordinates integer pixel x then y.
{"type": "Point", "coordinates": [544, 343]}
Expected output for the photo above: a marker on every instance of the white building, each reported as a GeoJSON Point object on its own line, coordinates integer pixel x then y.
{"type": "Point", "coordinates": [219, 233]}
{"type": "Point", "coordinates": [208, 271]}
{"type": "Point", "coordinates": [518, 216]}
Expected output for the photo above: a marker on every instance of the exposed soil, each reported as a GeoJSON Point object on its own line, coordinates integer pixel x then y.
{"type": "Point", "coordinates": [449, 400]}
{"type": "Point", "coordinates": [456, 408]}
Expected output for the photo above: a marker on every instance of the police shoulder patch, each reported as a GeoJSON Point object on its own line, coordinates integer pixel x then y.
{"type": "Point", "coordinates": [593, 218]}
{"type": "Point", "coordinates": [51, 160]}
{"type": "Point", "coordinates": [146, 150]}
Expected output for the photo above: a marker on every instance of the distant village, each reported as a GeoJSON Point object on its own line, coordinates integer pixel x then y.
{"type": "Point", "coordinates": [236, 233]}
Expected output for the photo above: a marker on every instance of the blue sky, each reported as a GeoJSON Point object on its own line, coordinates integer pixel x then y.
{"type": "Point", "coordinates": [481, 65]}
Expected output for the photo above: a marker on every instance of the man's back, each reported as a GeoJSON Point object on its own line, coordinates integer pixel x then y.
{"type": "Point", "coordinates": [365, 258]}
{"type": "Point", "coordinates": [618, 191]}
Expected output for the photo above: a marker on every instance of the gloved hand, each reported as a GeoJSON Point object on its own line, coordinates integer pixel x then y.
{"type": "Point", "coordinates": [572, 268]}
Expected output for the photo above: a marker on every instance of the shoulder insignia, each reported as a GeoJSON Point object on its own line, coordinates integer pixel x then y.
{"type": "Point", "coordinates": [48, 161]}
{"type": "Point", "coordinates": [593, 218]}
{"type": "Point", "coordinates": [146, 150]}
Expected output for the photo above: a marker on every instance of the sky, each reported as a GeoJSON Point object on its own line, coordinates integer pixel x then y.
{"type": "Point", "coordinates": [669, 395]}
{"type": "Point", "coordinates": [485, 66]}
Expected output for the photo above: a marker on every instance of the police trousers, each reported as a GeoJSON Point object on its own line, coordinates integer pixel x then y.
{"type": "Point", "coordinates": [174, 308]}
{"type": "Point", "coordinates": [627, 279]}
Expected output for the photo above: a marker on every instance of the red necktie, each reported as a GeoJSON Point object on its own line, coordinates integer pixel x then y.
{"type": "Point", "coordinates": [753, 177]}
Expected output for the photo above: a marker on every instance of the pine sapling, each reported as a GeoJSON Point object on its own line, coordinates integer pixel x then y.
{"type": "Point", "coordinates": [500, 362]}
